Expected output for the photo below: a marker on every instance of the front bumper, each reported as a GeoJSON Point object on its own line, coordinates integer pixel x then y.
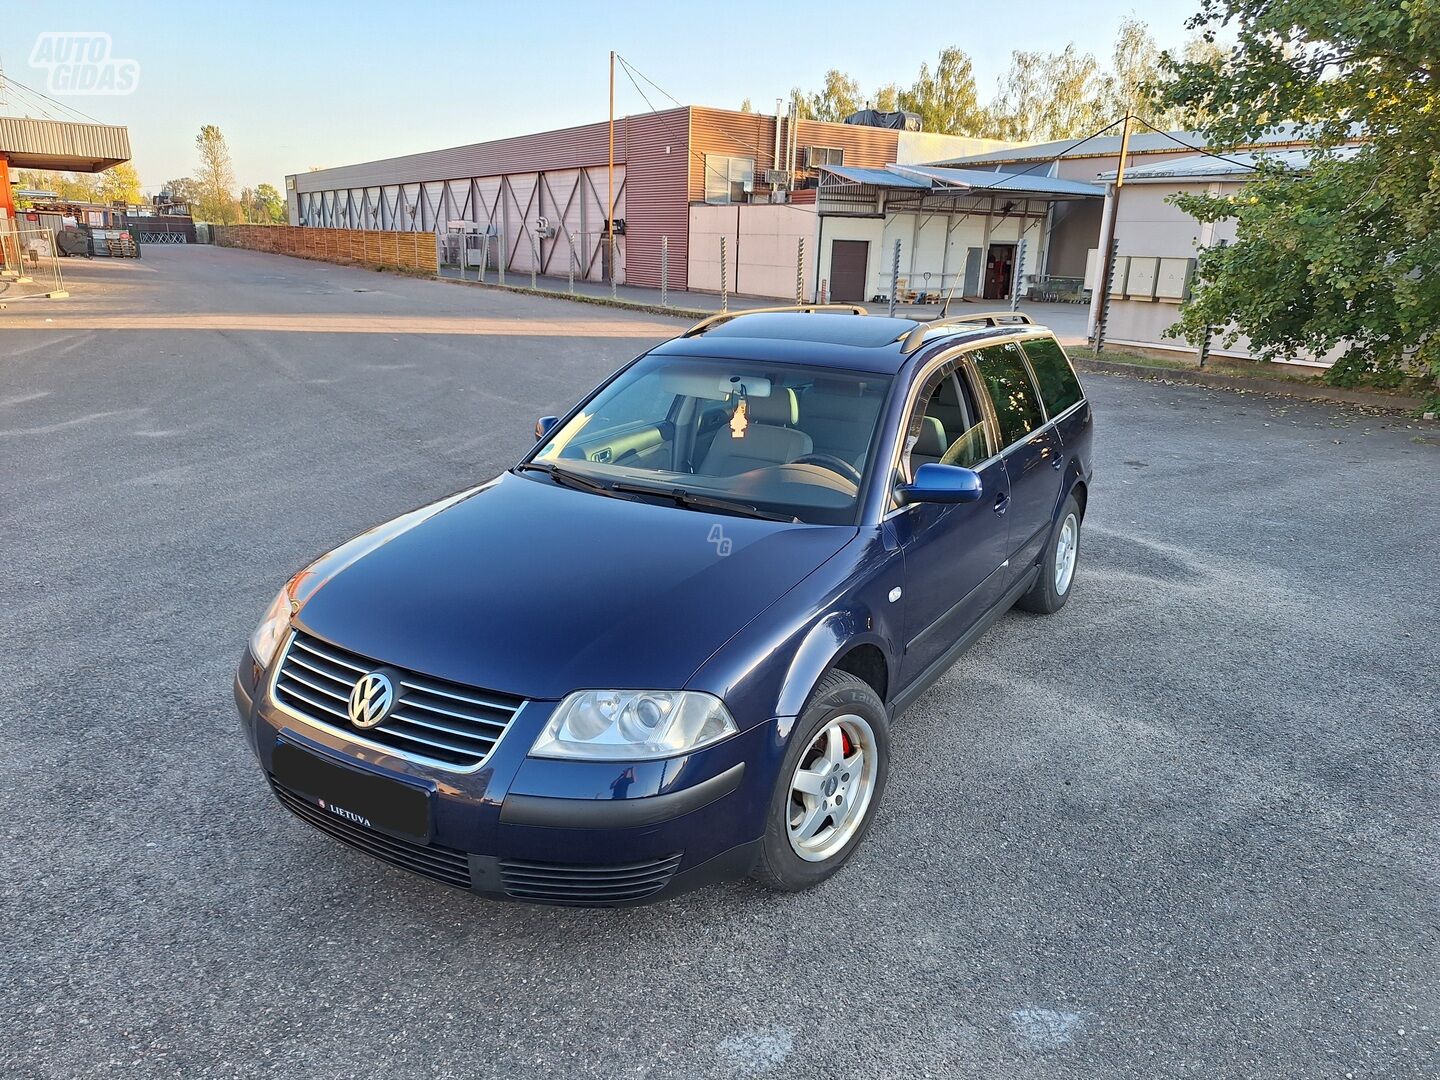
{"type": "Point", "coordinates": [540, 831]}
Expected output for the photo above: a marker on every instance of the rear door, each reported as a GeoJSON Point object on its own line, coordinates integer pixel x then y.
{"type": "Point", "coordinates": [1064, 400]}
{"type": "Point", "coordinates": [1034, 457]}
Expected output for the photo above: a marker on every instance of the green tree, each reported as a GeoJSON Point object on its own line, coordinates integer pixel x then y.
{"type": "Point", "coordinates": [1345, 254]}
{"type": "Point", "coordinates": [946, 98]}
{"type": "Point", "coordinates": [215, 179]}
{"type": "Point", "coordinates": [184, 190]}
{"type": "Point", "coordinates": [264, 205]}
{"type": "Point", "coordinates": [1048, 96]}
{"type": "Point", "coordinates": [120, 184]}
{"type": "Point", "coordinates": [746, 107]}
{"type": "Point", "coordinates": [1128, 87]}
{"type": "Point", "coordinates": [839, 97]}
{"type": "Point", "coordinates": [887, 97]}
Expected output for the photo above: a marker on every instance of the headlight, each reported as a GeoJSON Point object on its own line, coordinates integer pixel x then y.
{"type": "Point", "coordinates": [633, 725]}
{"type": "Point", "coordinates": [273, 627]}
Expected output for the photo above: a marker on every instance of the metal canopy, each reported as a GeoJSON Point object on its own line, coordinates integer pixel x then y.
{"type": "Point", "coordinates": [62, 144]}
{"type": "Point", "coordinates": [931, 180]}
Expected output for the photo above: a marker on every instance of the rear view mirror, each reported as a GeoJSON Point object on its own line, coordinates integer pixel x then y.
{"type": "Point", "coordinates": [936, 483]}
{"type": "Point", "coordinates": [544, 425]}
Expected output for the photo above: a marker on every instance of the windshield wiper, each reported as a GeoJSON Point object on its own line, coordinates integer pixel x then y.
{"type": "Point", "coordinates": [573, 480]}
{"type": "Point", "coordinates": [690, 500]}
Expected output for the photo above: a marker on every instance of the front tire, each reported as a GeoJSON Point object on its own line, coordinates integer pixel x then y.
{"type": "Point", "coordinates": [829, 785]}
{"type": "Point", "coordinates": [1057, 569]}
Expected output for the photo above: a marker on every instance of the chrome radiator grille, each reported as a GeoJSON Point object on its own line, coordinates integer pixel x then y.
{"type": "Point", "coordinates": [435, 722]}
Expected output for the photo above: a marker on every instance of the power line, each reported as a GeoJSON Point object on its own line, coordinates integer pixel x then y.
{"type": "Point", "coordinates": [704, 165]}
{"type": "Point", "coordinates": [1198, 149]}
{"type": "Point", "coordinates": [16, 83]}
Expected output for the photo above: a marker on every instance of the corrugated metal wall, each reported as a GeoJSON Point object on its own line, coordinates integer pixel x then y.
{"type": "Point", "coordinates": [657, 152]}
{"type": "Point", "coordinates": [560, 175]}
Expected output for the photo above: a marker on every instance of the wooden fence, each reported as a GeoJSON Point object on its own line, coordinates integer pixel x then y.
{"type": "Point", "coordinates": [359, 247]}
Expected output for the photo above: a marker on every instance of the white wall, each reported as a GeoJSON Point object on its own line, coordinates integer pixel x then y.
{"type": "Point", "coordinates": [939, 243]}
{"type": "Point", "coordinates": [763, 248]}
{"type": "Point", "coordinates": [869, 229]}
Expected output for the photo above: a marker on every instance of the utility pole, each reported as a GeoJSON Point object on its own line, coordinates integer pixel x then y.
{"type": "Point", "coordinates": [1099, 304]}
{"type": "Point", "coordinates": [610, 182]}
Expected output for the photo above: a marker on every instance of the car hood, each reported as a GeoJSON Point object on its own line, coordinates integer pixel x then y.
{"type": "Point", "coordinates": [535, 590]}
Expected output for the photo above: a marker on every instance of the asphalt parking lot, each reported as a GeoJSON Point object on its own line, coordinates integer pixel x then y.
{"type": "Point", "coordinates": [1186, 827]}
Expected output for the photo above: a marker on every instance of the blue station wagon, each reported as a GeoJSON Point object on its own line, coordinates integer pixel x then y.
{"type": "Point", "coordinates": [667, 647]}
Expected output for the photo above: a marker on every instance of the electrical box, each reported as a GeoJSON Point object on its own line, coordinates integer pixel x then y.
{"type": "Point", "coordinates": [1173, 282]}
{"type": "Point", "coordinates": [1140, 282]}
{"type": "Point", "coordinates": [1119, 272]}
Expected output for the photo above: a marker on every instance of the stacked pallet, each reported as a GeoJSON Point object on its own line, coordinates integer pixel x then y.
{"type": "Point", "coordinates": [355, 247]}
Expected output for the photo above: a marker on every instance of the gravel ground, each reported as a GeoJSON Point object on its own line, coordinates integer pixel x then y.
{"type": "Point", "coordinates": [1186, 827]}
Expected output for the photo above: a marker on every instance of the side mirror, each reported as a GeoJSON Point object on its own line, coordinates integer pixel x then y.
{"type": "Point", "coordinates": [936, 483]}
{"type": "Point", "coordinates": [543, 426]}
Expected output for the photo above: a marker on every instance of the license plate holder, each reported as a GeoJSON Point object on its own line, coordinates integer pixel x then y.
{"type": "Point", "coordinates": [369, 800]}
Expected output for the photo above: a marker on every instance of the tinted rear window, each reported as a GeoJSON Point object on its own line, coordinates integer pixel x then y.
{"type": "Point", "coordinates": [1059, 388]}
{"type": "Point", "coordinates": [1002, 369]}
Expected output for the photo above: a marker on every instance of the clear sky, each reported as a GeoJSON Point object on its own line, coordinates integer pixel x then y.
{"type": "Point", "coordinates": [325, 83]}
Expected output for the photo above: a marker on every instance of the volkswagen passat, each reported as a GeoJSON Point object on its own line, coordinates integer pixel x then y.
{"type": "Point", "coordinates": [667, 646]}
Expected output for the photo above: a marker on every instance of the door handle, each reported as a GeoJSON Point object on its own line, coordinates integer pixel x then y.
{"type": "Point", "coordinates": [1002, 502]}
{"type": "Point", "coordinates": [1057, 462]}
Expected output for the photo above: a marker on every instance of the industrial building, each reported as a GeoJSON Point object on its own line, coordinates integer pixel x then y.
{"type": "Point", "coordinates": [771, 186]}
{"type": "Point", "coordinates": [802, 207]}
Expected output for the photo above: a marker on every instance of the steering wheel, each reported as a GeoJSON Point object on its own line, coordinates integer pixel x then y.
{"type": "Point", "coordinates": [833, 463]}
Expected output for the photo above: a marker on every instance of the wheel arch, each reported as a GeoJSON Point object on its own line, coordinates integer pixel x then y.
{"type": "Point", "coordinates": [844, 641]}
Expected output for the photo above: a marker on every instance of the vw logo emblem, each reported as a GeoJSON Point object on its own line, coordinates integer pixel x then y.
{"type": "Point", "coordinates": [371, 700]}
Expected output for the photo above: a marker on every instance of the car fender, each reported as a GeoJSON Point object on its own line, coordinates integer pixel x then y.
{"type": "Point", "coordinates": [835, 634]}
{"type": "Point", "coordinates": [770, 666]}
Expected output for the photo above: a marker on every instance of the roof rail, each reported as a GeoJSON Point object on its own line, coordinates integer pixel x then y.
{"type": "Point", "coordinates": [726, 316]}
{"type": "Point", "coordinates": [913, 338]}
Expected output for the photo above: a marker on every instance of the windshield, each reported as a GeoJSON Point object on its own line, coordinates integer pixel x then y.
{"type": "Point", "coordinates": [784, 440]}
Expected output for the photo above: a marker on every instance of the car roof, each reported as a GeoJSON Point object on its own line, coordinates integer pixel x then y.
{"type": "Point", "coordinates": [850, 340]}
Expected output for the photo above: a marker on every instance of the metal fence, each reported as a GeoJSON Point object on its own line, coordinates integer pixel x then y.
{"type": "Point", "coordinates": [29, 265]}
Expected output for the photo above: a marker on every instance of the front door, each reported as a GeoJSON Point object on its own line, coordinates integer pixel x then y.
{"type": "Point", "coordinates": [954, 555]}
{"type": "Point", "coordinates": [999, 270]}
{"type": "Point", "coordinates": [849, 260]}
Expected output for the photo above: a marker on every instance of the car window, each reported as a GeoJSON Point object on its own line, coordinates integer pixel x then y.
{"type": "Point", "coordinates": [1002, 370]}
{"type": "Point", "coordinates": [1059, 388]}
{"type": "Point", "coordinates": [946, 427]}
{"type": "Point", "coordinates": [789, 440]}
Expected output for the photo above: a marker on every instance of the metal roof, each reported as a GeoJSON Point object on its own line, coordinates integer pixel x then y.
{"type": "Point", "coordinates": [875, 177]}
{"type": "Point", "coordinates": [933, 178]}
{"type": "Point", "coordinates": [1240, 163]}
{"type": "Point", "coordinates": [1033, 182]}
{"type": "Point", "coordinates": [1141, 142]}
{"type": "Point", "coordinates": [62, 144]}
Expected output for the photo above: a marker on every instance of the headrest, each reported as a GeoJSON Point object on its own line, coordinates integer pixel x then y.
{"type": "Point", "coordinates": [932, 441]}
{"type": "Point", "coordinates": [819, 404]}
{"type": "Point", "coordinates": [780, 408]}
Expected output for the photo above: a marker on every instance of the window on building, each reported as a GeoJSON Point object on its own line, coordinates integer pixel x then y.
{"type": "Point", "coordinates": [728, 179]}
{"type": "Point", "coordinates": [824, 155]}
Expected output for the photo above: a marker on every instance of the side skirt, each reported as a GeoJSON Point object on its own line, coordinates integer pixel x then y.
{"type": "Point", "coordinates": [922, 682]}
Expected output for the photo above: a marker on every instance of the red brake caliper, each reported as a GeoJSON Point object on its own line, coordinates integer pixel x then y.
{"type": "Point", "coordinates": [845, 746]}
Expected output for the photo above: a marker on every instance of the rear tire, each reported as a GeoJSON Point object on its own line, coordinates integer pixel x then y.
{"type": "Point", "coordinates": [828, 787]}
{"type": "Point", "coordinates": [1057, 569]}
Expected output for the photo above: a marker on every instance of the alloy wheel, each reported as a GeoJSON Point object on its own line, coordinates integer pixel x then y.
{"type": "Point", "coordinates": [1066, 549]}
{"type": "Point", "coordinates": [831, 789]}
